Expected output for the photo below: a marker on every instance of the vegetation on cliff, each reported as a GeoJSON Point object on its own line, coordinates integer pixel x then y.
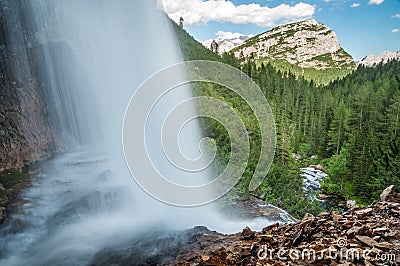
{"type": "Point", "coordinates": [11, 183]}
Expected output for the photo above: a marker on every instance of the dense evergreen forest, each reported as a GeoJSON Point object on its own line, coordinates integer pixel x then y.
{"type": "Point", "coordinates": [350, 126]}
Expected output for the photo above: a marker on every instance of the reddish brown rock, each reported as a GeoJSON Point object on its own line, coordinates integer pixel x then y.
{"type": "Point", "coordinates": [247, 233]}
{"type": "Point", "coordinates": [336, 217]}
{"type": "Point", "coordinates": [354, 230]}
{"type": "Point", "coordinates": [374, 229]}
{"type": "Point", "coordinates": [367, 240]}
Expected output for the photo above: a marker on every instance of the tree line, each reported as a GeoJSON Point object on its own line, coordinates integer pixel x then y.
{"type": "Point", "coordinates": [351, 126]}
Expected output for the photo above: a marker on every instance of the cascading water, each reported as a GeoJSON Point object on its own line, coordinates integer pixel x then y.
{"type": "Point", "coordinates": [89, 57]}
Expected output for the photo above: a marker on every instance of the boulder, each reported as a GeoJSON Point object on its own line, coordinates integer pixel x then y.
{"type": "Point", "coordinates": [247, 233]}
{"type": "Point", "coordinates": [351, 204]}
{"type": "Point", "coordinates": [318, 167]}
{"type": "Point", "coordinates": [388, 193]}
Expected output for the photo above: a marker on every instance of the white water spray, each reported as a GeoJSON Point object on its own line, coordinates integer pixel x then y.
{"type": "Point", "coordinates": [93, 55]}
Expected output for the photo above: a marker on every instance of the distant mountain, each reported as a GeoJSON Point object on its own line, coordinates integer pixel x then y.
{"type": "Point", "coordinates": [227, 41]}
{"type": "Point", "coordinates": [302, 47]}
{"type": "Point", "coordinates": [373, 60]}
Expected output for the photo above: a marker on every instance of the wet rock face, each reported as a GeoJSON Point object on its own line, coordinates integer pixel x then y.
{"type": "Point", "coordinates": [25, 133]}
{"type": "Point", "coordinates": [157, 248]}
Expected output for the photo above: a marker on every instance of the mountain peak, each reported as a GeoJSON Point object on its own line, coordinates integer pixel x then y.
{"type": "Point", "coordinates": [227, 41]}
{"type": "Point", "coordinates": [386, 56]}
{"type": "Point", "coordinates": [307, 22]}
{"type": "Point", "coordinates": [308, 44]}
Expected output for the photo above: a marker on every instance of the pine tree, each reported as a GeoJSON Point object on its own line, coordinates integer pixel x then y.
{"type": "Point", "coordinates": [339, 128]}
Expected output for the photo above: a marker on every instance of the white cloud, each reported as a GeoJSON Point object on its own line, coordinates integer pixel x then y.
{"type": "Point", "coordinates": [396, 16]}
{"type": "Point", "coordinates": [201, 11]}
{"type": "Point", "coordinates": [395, 30]}
{"type": "Point", "coordinates": [355, 5]}
{"type": "Point", "coordinates": [375, 2]}
{"type": "Point", "coordinates": [227, 35]}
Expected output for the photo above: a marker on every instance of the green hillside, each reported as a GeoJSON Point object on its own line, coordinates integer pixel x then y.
{"type": "Point", "coordinates": [192, 49]}
{"type": "Point", "coordinates": [350, 126]}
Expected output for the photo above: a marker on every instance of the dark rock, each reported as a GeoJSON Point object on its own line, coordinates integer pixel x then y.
{"type": "Point", "coordinates": [348, 224]}
{"type": "Point", "coordinates": [244, 252]}
{"type": "Point", "coordinates": [1, 214]}
{"type": "Point", "coordinates": [247, 233]}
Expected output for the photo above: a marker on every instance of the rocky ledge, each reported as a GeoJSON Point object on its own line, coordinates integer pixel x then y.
{"type": "Point", "coordinates": [157, 247]}
{"type": "Point", "coordinates": [360, 236]}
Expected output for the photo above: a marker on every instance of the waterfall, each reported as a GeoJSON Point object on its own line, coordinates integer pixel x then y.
{"type": "Point", "coordinates": [89, 56]}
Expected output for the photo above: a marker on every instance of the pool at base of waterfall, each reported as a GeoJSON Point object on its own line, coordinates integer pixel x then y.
{"type": "Point", "coordinates": [77, 212]}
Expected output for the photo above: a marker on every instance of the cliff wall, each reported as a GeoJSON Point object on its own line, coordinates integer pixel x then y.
{"type": "Point", "coordinates": [25, 132]}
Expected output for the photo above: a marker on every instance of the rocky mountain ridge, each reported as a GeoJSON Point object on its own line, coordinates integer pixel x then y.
{"type": "Point", "coordinates": [227, 41]}
{"type": "Point", "coordinates": [372, 60]}
{"type": "Point", "coordinates": [307, 44]}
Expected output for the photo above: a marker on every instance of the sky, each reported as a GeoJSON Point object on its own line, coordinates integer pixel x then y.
{"type": "Point", "coordinates": [362, 26]}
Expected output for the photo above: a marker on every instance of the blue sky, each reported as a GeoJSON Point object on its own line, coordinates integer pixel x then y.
{"type": "Point", "coordinates": [362, 26]}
